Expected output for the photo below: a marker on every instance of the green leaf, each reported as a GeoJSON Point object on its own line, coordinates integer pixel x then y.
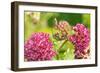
{"type": "Point", "coordinates": [71, 32]}
{"type": "Point", "coordinates": [66, 52]}
{"type": "Point", "coordinates": [70, 50]}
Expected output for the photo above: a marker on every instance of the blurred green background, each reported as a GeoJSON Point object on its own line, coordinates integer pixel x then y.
{"type": "Point", "coordinates": [44, 22]}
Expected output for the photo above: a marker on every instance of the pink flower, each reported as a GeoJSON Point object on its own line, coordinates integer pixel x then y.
{"type": "Point", "coordinates": [81, 40]}
{"type": "Point", "coordinates": [39, 47]}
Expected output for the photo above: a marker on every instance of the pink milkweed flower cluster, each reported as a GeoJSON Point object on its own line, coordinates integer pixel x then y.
{"type": "Point", "coordinates": [39, 48]}
{"type": "Point", "coordinates": [81, 40]}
